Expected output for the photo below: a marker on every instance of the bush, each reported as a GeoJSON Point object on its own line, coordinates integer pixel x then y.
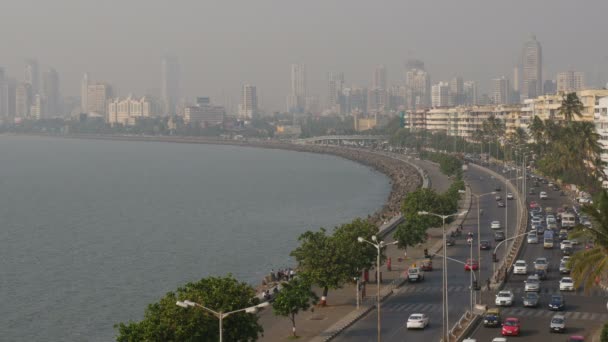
{"type": "Point", "coordinates": [604, 333]}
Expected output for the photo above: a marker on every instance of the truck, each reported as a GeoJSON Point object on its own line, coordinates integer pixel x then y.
{"type": "Point", "coordinates": [415, 274]}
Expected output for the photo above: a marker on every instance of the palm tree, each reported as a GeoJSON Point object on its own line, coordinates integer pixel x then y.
{"type": "Point", "coordinates": [592, 264]}
{"type": "Point", "coordinates": [571, 106]}
{"type": "Point", "coordinates": [537, 129]}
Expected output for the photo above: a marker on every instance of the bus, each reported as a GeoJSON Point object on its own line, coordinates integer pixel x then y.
{"type": "Point", "coordinates": [548, 239]}
{"type": "Point", "coordinates": [568, 220]}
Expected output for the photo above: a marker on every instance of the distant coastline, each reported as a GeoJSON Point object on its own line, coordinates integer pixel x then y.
{"type": "Point", "coordinates": [404, 178]}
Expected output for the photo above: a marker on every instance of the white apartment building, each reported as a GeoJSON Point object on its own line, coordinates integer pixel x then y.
{"type": "Point", "coordinates": [205, 114]}
{"type": "Point", "coordinates": [248, 108]}
{"type": "Point", "coordinates": [440, 94]}
{"type": "Point", "coordinates": [570, 81]}
{"type": "Point", "coordinates": [600, 119]}
{"type": "Point", "coordinates": [126, 111]}
{"type": "Point", "coordinates": [501, 92]}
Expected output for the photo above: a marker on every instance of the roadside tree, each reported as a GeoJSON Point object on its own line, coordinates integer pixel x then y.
{"type": "Point", "coordinates": [295, 296]}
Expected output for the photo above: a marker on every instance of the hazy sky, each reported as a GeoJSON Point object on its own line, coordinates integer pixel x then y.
{"type": "Point", "coordinates": [222, 44]}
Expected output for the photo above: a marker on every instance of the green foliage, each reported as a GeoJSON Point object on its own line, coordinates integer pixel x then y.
{"type": "Point", "coordinates": [448, 164]}
{"type": "Point", "coordinates": [356, 256]}
{"type": "Point", "coordinates": [296, 295]}
{"type": "Point", "coordinates": [165, 321]}
{"type": "Point", "coordinates": [413, 231]}
{"type": "Point", "coordinates": [571, 107]}
{"type": "Point", "coordinates": [604, 333]}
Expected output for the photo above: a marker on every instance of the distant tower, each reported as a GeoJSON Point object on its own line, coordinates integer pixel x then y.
{"type": "Point", "coordinates": [380, 81]}
{"type": "Point", "coordinates": [170, 72]}
{"type": "Point", "coordinates": [296, 100]}
{"type": "Point", "coordinates": [50, 92]}
{"type": "Point", "coordinates": [3, 94]}
{"type": "Point", "coordinates": [31, 75]}
{"type": "Point", "coordinates": [248, 109]}
{"type": "Point", "coordinates": [532, 65]}
{"type": "Point", "coordinates": [84, 93]}
{"type": "Point", "coordinates": [501, 91]}
{"type": "Point", "coordinates": [335, 84]}
{"type": "Point", "coordinates": [23, 100]}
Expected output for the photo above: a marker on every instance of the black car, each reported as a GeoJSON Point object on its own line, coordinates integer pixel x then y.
{"type": "Point", "coordinates": [557, 302]}
{"type": "Point", "coordinates": [497, 188]}
{"type": "Point", "coordinates": [531, 299]}
{"type": "Point", "coordinates": [491, 319]}
{"type": "Point", "coordinates": [450, 241]}
{"type": "Point", "coordinates": [499, 235]}
{"type": "Point", "coordinates": [563, 236]}
{"type": "Point", "coordinates": [567, 251]}
{"type": "Point", "coordinates": [485, 245]}
{"type": "Point", "coordinates": [542, 274]}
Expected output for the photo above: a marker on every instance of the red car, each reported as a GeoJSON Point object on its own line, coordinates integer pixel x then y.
{"type": "Point", "coordinates": [510, 327]}
{"type": "Point", "coordinates": [533, 204]}
{"type": "Point", "coordinates": [576, 338]}
{"type": "Point", "coordinates": [471, 264]}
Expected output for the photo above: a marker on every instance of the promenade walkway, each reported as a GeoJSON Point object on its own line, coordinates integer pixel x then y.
{"type": "Point", "coordinates": [318, 324]}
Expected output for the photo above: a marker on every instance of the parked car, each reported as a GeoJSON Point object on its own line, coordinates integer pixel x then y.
{"type": "Point", "coordinates": [531, 299]}
{"type": "Point", "coordinates": [417, 321]}
{"type": "Point", "coordinates": [557, 302]}
{"type": "Point", "coordinates": [504, 298]}
{"type": "Point", "coordinates": [510, 327]}
{"type": "Point", "coordinates": [566, 284]}
{"type": "Point", "coordinates": [558, 323]}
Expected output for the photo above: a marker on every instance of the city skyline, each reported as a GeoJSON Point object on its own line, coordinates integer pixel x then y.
{"type": "Point", "coordinates": [274, 38]}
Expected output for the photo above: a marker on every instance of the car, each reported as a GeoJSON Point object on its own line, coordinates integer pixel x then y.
{"type": "Point", "coordinates": [510, 196]}
{"type": "Point", "coordinates": [543, 195]}
{"type": "Point", "coordinates": [497, 188]}
{"type": "Point", "coordinates": [520, 267]}
{"type": "Point", "coordinates": [417, 321]}
{"type": "Point", "coordinates": [535, 211]}
{"type": "Point", "coordinates": [536, 221]}
{"type": "Point", "coordinates": [531, 299]}
{"type": "Point", "coordinates": [565, 258]}
{"type": "Point", "coordinates": [563, 268]}
{"type": "Point", "coordinates": [557, 302]}
{"type": "Point", "coordinates": [532, 237]}
{"type": "Point", "coordinates": [532, 191]}
{"type": "Point", "coordinates": [563, 235]}
{"type": "Point", "coordinates": [575, 242]}
{"type": "Point", "coordinates": [558, 323]}
{"type": "Point", "coordinates": [567, 250]}
{"type": "Point", "coordinates": [532, 284]}
{"type": "Point", "coordinates": [471, 264]}
{"type": "Point", "coordinates": [491, 318]}
{"type": "Point", "coordinates": [541, 264]}
{"type": "Point", "coordinates": [426, 264]}
{"type": "Point", "coordinates": [415, 274]}
{"type": "Point", "coordinates": [495, 225]}
{"type": "Point", "coordinates": [498, 339]}
{"type": "Point", "coordinates": [549, 210]}
{"type": "Point", "coordinates": [498, 197]}
{"type": "Point", "coordinates": [485, 245]}
{"type": "Point", "coordinates": [566, 284]}
{"type": "Point", "coordinates": [450, 241]}
{"type": "Point", "coordinates": [500, 204]}
{"type": "Point", "coordinates": [499, 235]}
{"type": "Point", "coordinates": [533, 204]}
{"type": "Point", "coordinates": [540, 229]}
{"type": "Point", "coordinates": [564, 244]}
{"type": "Point", "coordinates": [504, 298]}
{"type": "Point", "coordinates": [542, 274]}
{"type": "Point", "coordinates": [575, 338]}
{"type": "Point", "coordinates": [510, 327]}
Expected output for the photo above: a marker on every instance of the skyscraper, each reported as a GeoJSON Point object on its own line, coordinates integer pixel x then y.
{"type": "Point", "coordinates": [440, 94]}
{"type": "Point", "coordinates": [501, 91]}
{"type": "Point", "coordinates": [169, 87]}
{"type": "Point", "coordinates": [380, 80]}
{"type": "Point", "coordinates": [84, 93]}
{"type": "Point", "coordinates": [50, 93]}
{"type": "Point", "coordinates": [418, 88]}
{"type": "Point", "coordinates": [31, 75]}
{"type": "Point", "coordinates": [570, 81]}
{"type": "Point", "coordinates": [23, 100]}
{"type": "Point", "coordinates": [248, 109]}
{"type": "Point", "coordinates": [98, 96]}
{"type": "Point", "coordinates": [470, 93]}
{"type": "Point", "coordinates": [532, 65]}
{"type": "Point", "coordinates": [335, 83]}
{"type": "Point", "coordinates": [296, 101]}
{"type": "Point", "coordinates": [3, 94]}
{"type": "Point", "coordinates": [456, 91]}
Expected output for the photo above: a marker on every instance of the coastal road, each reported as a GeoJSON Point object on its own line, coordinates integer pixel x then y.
{"type": "Point", "coordinates": [426, 297]}
{"type": "Point", "coordinates": [584, 313]}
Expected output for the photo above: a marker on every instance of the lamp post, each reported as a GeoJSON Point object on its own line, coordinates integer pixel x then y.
{"type": "Point", "coordinates": [219, 314]}
{"type": "Point", "coordinates": [473, 277]}
{"type": "Point", "coordinates": [378, 245]}
{"type": "Point", "coordinates": [506, 204]}
{"type": "Point", "coordinates": [445, 335]}
{"type": "Point", "coordinates": [477, 198]}
{"type": "Point", "coordinates": [503, 241]}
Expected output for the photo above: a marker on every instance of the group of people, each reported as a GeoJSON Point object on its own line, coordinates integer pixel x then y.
{"type": "Point", "coordinates": [283, 274]}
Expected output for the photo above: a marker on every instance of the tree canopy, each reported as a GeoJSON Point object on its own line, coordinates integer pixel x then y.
{"type": "Point", "coordinates": [295, 296]}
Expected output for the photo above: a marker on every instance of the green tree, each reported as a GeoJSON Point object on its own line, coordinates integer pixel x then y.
{"type": "Point", "coordinates": [571, 106]}
{"type": "Point", "coordinates": [295, 295]}
{"type": "Point", "coordinates": [355, 256]}
{"type": "Point", "coordinates": [604, 333]}
{"type": "Point", "coordinates": [412, 231]}
{"type": "Point", "coordinates": [165, 321]}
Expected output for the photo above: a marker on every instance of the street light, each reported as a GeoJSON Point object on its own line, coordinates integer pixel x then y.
{"type": "Point", "coordinates": [472, 274]}
{"type": "Point", "coordinates": [446, 321]}
{"type": "Point", "coordinates": [506, 204]}
{"type": "Point", "coordinates": [500, 243]}
{"type": "Point", "coordinates": [219, 314]}
{"type": "Point", "coordinates": [378, 245]}
{"type": "Point", "coordinates": [477, 197]}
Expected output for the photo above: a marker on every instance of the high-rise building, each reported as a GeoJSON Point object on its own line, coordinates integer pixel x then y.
{"type": "Point", "coordinates": [335, 84]}
{"type": "Point", "coordinates": [456, 91]}
{"type": "Point", "coordinates": [3, 95]}
{"type": "Point", "coordinates": [50, 93]}
{"type": "Point", "coordinates": [549, 87]}
{"type": "Point", "coordinates": [98, 96]}
{"type": "Point", "coordinates": [418, 88]}
{"type": "Point", "coordinates": [296, 101]}
{"type": "Point", "coordinates": [31, 75]}
{"type": "Point", "coordinates": [413, 63]}
{"type": "Point", "coordinates": [440, 94]}
{"type": "Point", "coordinates": [248, 109]}
{"type": "Point", "coordinates": [377, 101]}
{"type": "Point", "coordinates": [23, 100]}
{"type": "Point", "coordinates": [532, 65]}
{"type": "Point", "coordinates": [169, 87]}
{"type": "Point", "coordinates": [84, 93]}
{"type": "Point", "coordinates": [501, 91]}
{"type": "Point", "coordinates": [128, 111]}
{"type": "Point", "coordinates": [380, 80]}
{"type": "Point", "coordinates": [38, 107]}
{"type": "Point", "coordinates": [204, 113]}
{"type": "Point", "coordinates": [11, 91]}
{"type": "Point", "coordinates": [470, 93]}
{"type": "Point", "coordinates": [570, 81]}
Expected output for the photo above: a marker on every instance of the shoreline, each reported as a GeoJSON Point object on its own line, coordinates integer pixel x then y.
{"type": "Point", "coordinates": [403, 177]}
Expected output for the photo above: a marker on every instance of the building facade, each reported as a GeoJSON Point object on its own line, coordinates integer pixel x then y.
{"type": "Point", "coordinates": [50, 93]}
{"type": "Point", "coordinates": [169, 84]}
{"type": "Point", "coordinates": [440, 94]}
{"type": "Point", "coordinates": [418, 89]}
{"type": "Point", "coordinates": [569, 81]}
{"type": "Point", "coordinates": [128, 110]}
{"type": "Point", "coordinates": [23, 100]}
{"type": "Point", "coordinates": [98, 96]}
{"type": "Point", "coordinates": [248, 108]}
{"type": "Point", "coordinates": [532, 65]}
{"type": "Point", "coordinates": [501, 91]}
{"type": "Point", "coordinates": [204, 113]}
{"type": "Point", "coordinates": [296, 100]}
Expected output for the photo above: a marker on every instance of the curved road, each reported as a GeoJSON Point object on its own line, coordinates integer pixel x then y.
{"type": "Point", "coordinates": [426, 297]}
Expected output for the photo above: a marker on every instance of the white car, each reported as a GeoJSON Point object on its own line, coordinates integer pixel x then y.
{"type": "Point", "coordinates": [543, 195]}
{"type": "Point", "coordinates": [541, 264]}
{"type": "Point", "coordinates": [504, 298]}
{"type": "Point", "coordinates": [566, 284]}
{"type": "Point", "coordinates": [499, 339]}
{"type": "Point", "coordinates": [495, 225]}
{"type": "Point", "coordinates": [520, 267]}
{"type": "Point", "coordinates": [536, 221]}
{"type": "Point", "coordinates": [532, 237]}
{"type": "Point", "coordinates": [565, 244]}
{"type": "Point", "coordinates": [510, 196]}
{"type": "Point", "coordinates": [565, 258]}
{"type": "Point", "coordinates": [417, 321]}
{"type": "Point", "coordinates": [563, 268]}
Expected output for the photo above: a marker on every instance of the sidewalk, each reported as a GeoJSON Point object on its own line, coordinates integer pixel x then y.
{"type": "Point", "coordinates": [319, 324]}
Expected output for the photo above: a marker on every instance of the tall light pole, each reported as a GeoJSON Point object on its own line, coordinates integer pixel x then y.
{"type": "Point", "coordinates": [503, 241]}
{"type": "Point", "coordinates": [446, 321]}
{"type": "Point", "coordinates": [219, 314]}
{"type": "Point", "coordinates": [473, 277]}
{"type": "Point", "coordinates": [506, 204]}
{"type": "Point", "coordinates": [378, 245]}
{"type": "Point", "coordinates": [478, 197]}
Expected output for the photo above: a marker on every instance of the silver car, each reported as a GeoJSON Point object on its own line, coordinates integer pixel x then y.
{"type": "Point", "coordinates": [532, 237]}
{"type": "Point", "coordinates": [532, 284]}
{"type": "Point", "coordinates": [558, 323]}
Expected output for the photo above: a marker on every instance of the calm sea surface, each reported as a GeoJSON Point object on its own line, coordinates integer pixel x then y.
{"type": "Point", "coordinates": [93, 231]}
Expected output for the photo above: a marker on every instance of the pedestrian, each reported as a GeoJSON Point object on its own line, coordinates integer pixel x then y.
{"type": "Point", "coordinates": [488, 283]}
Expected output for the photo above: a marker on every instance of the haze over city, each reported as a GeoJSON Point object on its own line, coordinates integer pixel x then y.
{"type": "Point", "coordinates": [223, 45]}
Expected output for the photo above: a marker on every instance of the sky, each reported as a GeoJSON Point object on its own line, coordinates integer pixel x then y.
{"type": "Point", "coordinates": [223, 44]}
